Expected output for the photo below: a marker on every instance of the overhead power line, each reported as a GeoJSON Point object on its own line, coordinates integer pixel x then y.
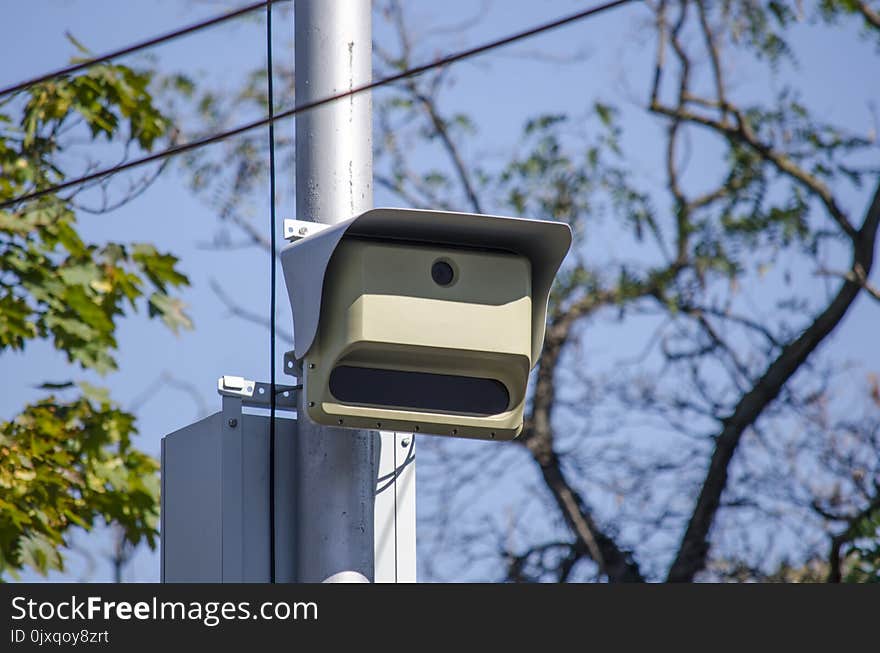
{"type": "Point", "coordinates": [142, 45]}
{"type": "Point", "coordinates": [262, 122]}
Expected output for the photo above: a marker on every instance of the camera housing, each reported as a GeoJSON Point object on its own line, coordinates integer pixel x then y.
{"type": "Point", "coordinates": [422, 321]}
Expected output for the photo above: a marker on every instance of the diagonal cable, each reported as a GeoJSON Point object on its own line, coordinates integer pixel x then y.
{"type": "Point", "coordinates": [262, 122]}
{"type": "Point", "coordinates": [135, 47]}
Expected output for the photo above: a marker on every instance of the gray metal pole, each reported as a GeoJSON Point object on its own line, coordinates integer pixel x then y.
{"type": "Point", "coordinates": [336, 468]}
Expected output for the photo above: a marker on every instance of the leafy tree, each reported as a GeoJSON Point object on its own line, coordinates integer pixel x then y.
{"type": "Point", "coordinates": [754, 444]}
{"type": "Point", "coordinates": [68, 461]}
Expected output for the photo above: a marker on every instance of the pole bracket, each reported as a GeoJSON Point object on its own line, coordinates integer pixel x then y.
{"type": "Point", "coordinates": [298, 229]}
{"type": "Point", "coordinates": [256, 393]}
{"type": "Point", "coordinates": [292, 366]}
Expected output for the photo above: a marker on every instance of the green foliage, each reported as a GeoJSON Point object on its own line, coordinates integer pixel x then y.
{"type": "Point", "coordinates": [65, 464]}
{"type": "Point", "coordinates": [68, 463]}
{"type": "Point", "coordinates": [577, 185]}
{"type": "Point", "coordinates": [52, 284]}
{"type": "Point", "coordinates": [833, 11]}
{"type": "Point", "coordinates": [863, 559]}
{"type": "Point", "coordinates": [687, 253]}
{"type": "Point", "coordinates": [547, 181]}
{"type": "Point", "coordinates": [58, 287]}
{"type": "Point", "coordinates": [761, 26]}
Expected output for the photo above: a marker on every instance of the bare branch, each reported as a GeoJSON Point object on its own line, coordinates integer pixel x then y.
{"type": "Point", "coordinates": [856, 275]}
{"type": "Point", "coordinates": [712, 47]}
{"type": "Point", "coordinates": [240, 312]}
{"type": "Point", "coordinates": [662, 29]}
{"type": "Point", "coordinates": [428, 103]}
{"type": "Point", "coordinates": [871, 16]}
{"type": "Point", "coordinates": [694, 548]}
{"type": "Point", "coordinates": [617, 564]}
{"type": "Point", "coordinates": [442, 130]}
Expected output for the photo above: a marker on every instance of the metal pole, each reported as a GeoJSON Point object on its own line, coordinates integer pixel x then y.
{"type": "Point", "coordinates": [336, 468]}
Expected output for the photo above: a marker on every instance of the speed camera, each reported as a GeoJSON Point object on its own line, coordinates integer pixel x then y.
{"type": "Point", "coordinates": [422, 321]}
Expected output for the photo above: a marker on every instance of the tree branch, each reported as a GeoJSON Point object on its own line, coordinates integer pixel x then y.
{"type": "Point", "coordinates": [742, 133]}
{"type": "Point", "coordinates": [871, 16]}
{"type": "Point", "coordinates": [617, 564]}
{"type": "Point", "coordinates": [850, 533]}
{"type": "Point", "coordinates": [712, 47]}
{"type": "Point", "coordinates": [429, 106]}
{"type": "Point", "coordinates": [442, 131]}
{"type": "Point", "coordinates": [247, 315]}
{"type": "Point", "coordinates": [694, 548]}
{"type": "Point", "coordinates": [856, 275]}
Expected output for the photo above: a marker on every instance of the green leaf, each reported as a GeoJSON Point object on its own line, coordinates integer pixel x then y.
{"type": "Point", "coordinates": [605, 112]}
{"type": "Point", "coordinates": [87, 309]}
{"type": "Point", "coordinates": [77, 44]}
{"type": "Point", "coordinates": [171, 310]}
{"type": "Point", "coordinates": [159, 268]}
{"type": "Point", "coordinates": [94, 393]}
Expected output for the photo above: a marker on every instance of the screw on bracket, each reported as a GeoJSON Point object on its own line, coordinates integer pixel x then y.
{"type": "Point", "coordinates": [298, 229]}
{"type": "Point", "coordinates": [232, 423]}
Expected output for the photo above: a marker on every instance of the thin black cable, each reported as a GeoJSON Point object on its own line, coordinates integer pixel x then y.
{"type": "Point", "coordinates": [272, 230]}
{"type": "Point", "coordinates": [156, 40]}
{"type": "Point", "coordinates": [391, 477]}
{"type": "Point", "coordinates": [394, 482]}
{"type": "Point", "coordinates": [262, 122]}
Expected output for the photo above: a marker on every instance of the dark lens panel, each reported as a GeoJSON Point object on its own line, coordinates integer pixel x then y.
{"type": "Point", "coordinates": [418, 391]}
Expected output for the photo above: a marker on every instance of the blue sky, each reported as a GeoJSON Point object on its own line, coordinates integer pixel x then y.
{"type": "Point", "coordinates": [500, 91]}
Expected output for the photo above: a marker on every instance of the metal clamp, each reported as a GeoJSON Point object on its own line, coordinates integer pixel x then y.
{"type": "Point", "coordinates": [292, 366]}
{"type": "Point", "coordinates": [299, 229]}
{"type": "Point", "coordinates": [256, 393]}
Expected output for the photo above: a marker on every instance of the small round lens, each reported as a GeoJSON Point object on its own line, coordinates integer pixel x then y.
{"type": "Point", "coordinates": [442, 273]}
